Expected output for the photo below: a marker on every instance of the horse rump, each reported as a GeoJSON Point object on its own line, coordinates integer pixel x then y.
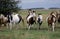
{"type": "Point", "coordinates": [31, 20]}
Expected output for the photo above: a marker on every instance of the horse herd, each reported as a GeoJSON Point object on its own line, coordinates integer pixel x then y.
{"type": "Point", "coordinates": [13, 19]}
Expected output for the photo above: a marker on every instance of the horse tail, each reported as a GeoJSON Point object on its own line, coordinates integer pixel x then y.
{"type": "Point", "coordinates": [21, 19]}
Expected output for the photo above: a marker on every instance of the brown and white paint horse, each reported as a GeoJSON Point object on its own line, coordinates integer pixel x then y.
{"type": "Point", "coordinates": [3, 20]}
{"type": "Point", "coordinates": [30, 20]}
{"type": "Point", "coordinates": [51, 20]}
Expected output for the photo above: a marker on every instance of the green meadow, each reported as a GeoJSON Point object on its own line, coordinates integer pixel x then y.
{"type": "Point", "coordinates": [34, 33]}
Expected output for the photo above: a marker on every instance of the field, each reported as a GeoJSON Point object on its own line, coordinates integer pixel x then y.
{"type": "Point", "coordinates": [34, 33]}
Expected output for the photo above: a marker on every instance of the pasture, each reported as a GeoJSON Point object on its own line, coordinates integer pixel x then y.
{"type": "Point", "coordinates": [34, 33]}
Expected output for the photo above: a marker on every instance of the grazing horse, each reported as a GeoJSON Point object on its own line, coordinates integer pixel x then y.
{"type": "Point", "coordinates": [39, 20]}
{"type": "Point", "coordinates": [30, 21]}
{"type": "Point", "coordinates": [3, 20]}
{"type": "Point", "coordinates": [16, 18]}
{"type": "Point", "coordinates": [51, 21]}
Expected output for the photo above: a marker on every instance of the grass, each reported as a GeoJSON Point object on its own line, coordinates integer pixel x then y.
{"type": "Point", "coordinates": [31, 34]}
{"type": "Point", "coordinates": [23, 33]}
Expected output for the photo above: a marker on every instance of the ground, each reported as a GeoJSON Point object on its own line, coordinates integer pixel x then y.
{"type": "Point", "coordinates": [34, 33]}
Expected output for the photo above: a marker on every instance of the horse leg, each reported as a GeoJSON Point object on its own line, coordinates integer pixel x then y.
{"type": "Point", "coordinates": [35, 22]}
{"type": "Point", "coordinates": [14, 25]}
{"type": "Point", "coordinates": [53, 26]}
{"type": "Point", "coordinates": [4, 24]}
{"type": "Point", "coordinates": [7, 25]}
{"type": "Point", "coordinates": [17, 26]}
{"type": "Point", "coordinates": [39, 26]}
{"type": "Point", "coordinates": [10, 24]}
{"type": "Point", "coordinates": [29, 26]}
{"type": "Point", "coordinates": [49, 25]}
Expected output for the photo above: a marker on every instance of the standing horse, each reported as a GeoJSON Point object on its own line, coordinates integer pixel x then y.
{"type": "Point", "coordinates": [3, 20]}
{"type": "Point", "coordinates": [16, 18]}
{"type": "Point", "coordinates": [51, 21]}
{"type": "Point", "coordinates": [30, 21]}
{"type": "Point", "coordinates": [39, 20]}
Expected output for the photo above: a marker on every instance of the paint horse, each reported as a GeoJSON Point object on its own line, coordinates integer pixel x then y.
{"type": "Point", "coordinates": [51, 21]}
{"type": "Point", "coordinates": [16, 19]}
{"type": "Point", "coordinates": [39, 20]}
{"type": "Point", "coordinates": [30, 20]}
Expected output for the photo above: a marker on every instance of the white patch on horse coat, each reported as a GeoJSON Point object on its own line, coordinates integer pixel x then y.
{"type": "Point", "coordinates": [54, 14]}
{"type": "Point", "coordinates": [5, 18]}
{"type": "Point", "coordinates": [41, 17]}
{"type": "Point", "coordinates": [15, 18]}
{"type": "Point", "coordinates": [54, 19]}
{"type": "Point", "coordinates": [29, 17]}
{"type": "Point", "coordinates": [53, 26]}
{"type": "Point", "coordinates": [48, 17]}
{"type": "Point", "coordinates": [34, 14]}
